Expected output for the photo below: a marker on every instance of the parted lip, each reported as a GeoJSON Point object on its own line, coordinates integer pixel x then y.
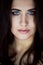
{"type": "Point", "coordinates": [23, 31]}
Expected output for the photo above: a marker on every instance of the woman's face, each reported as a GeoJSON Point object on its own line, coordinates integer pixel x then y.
{"type": "Point", "coordinates": [22, 18]}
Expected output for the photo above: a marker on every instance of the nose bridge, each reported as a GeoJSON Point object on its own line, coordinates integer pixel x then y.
{"type": "Point", "coordinates": [23, 19]}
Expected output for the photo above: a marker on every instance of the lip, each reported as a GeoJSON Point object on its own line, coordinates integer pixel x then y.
{"type": "Point", "coordinates": [23, 31]}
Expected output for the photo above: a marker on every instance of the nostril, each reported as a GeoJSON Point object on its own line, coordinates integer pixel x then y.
{"type": "Point", "coordinates": [24, 23]}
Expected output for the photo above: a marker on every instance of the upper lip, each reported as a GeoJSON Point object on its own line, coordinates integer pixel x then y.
{"type": "Point", "coordinates": [23, 30]}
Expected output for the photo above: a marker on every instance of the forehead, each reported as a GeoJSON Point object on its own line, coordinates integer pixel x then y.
{"type": "Point", "coordinates": [22, 4]}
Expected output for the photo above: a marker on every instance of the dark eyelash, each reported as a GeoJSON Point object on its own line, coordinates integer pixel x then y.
{"type": "Point", "coordinates": [31, 11]}
{"type": "Point", "coordinates": [15, 12]}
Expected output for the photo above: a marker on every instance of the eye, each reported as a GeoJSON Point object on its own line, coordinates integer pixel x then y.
{"type": "Point", "coordinates": [31, 11]}
{"type": "Point", "coordinates": [15, 12]}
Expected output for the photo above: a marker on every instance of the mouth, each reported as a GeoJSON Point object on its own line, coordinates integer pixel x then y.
{"type": "Point", "coordinates": [23, 31]}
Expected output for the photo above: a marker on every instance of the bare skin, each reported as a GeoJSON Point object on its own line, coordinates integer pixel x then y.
{"type": "Point", "coordinates": [22, 20]}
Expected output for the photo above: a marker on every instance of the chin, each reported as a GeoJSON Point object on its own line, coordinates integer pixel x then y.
{"type": "Point", "coordinates": [23, 37]}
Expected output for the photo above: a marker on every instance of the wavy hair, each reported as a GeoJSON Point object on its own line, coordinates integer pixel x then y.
{"type": "Point", "coordinates": [6, 37]}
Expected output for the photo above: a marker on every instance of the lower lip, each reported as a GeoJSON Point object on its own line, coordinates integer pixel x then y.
{"type": "Point", "coordinates": [23, 31]}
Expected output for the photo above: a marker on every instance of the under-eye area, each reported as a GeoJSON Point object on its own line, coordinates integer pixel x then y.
{"type": "Point", "coordinates": [31, 11]}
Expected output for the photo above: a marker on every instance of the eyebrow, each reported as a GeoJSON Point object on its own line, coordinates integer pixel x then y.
{"type": "Point", "coordinates": [31, 9]}
{"type": "Point", "coordinates": [15, 9]}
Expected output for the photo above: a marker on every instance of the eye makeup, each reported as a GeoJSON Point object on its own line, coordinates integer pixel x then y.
{"type": "Point", "coordinates": [15, 12]}
{"type": "Point", "coordinates": [31, 11]}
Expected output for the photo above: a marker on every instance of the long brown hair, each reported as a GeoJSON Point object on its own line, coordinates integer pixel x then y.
{"type": "Point", "coordinates": [6, 37]}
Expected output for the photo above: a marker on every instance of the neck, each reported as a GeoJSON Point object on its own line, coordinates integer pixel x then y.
{"type": "Point", "coordinates": [23, 44]}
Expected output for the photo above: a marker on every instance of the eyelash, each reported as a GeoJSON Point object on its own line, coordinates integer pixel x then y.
{"type": "Point", "coordinates": [15, 13]}
{"type": "Point", "coordinates": [30, 12]}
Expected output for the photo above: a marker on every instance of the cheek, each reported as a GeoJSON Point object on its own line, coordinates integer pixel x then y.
{"type": "Point", "coordinates": [31, 22]}
{"type": "Point", "coordinates": [33, 26]}
{"type": "Point", "coordinates": [15, 20]}
{"type": "Point", "coordinates": [15, 23]}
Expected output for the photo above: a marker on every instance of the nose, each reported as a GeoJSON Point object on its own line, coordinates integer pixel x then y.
{"type": "Point", "coordinates": [24, 21]}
